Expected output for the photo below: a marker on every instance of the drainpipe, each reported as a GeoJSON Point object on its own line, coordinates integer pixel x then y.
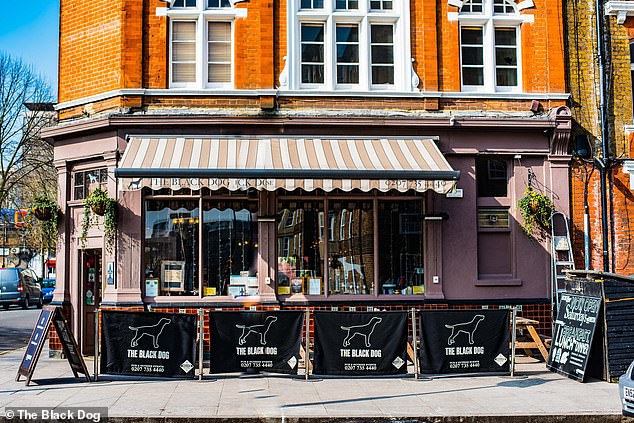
{"type": "Point", "coordinates": [603, 162]}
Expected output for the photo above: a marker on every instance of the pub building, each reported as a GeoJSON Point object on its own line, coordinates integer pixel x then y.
{"type": "Point", "coordinates": [331, 154]}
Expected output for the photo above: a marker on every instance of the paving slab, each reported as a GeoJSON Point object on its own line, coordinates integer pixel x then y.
{"type": "Point", "coordinates": [537, 395]}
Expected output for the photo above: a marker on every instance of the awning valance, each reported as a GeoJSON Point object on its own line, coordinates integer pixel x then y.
{"type": "Point", "coordinates": [239, 163]}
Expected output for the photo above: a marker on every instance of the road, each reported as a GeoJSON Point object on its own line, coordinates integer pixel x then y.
{"type": "Point", "coordinates": [16, 326]}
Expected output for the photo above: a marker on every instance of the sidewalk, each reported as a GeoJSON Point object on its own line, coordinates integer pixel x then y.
{"type": "Point", "coordinates": [269, 398]}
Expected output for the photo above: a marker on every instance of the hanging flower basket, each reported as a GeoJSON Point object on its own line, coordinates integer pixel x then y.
{"type": "Point", "coordinates": [99, 208]}
{"type": "Point", "coordinates": [536, 209]}
{"type": "Point", "coordinates": [43, 208]}
{"type": "Point", "coordinates": [98, 203]}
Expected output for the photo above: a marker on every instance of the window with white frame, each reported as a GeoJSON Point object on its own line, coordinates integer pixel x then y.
{"type": "Point", "coordinates": [355, 45]}
{"type": "Point", "coordinates": [201, 43]}
{"type": "Point", "coordinates": [490, 45]}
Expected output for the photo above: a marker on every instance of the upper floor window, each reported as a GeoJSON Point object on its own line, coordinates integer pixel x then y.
{"type": "Point", "coordinates": [355, 45]}
{"type": "Point", "coordinates": [490, 46]}
{"type": "Point", "coordinates": [85, 182]}
{"type": "Point", "coordinates": [201, 44]}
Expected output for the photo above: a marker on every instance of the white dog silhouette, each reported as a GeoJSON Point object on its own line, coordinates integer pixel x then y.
{"type": "Point", "coordinates": [153, 331]}
{"type": "Point", "coordinates": [259, 329]}
{"type": "Point", "coordinates": [468, 328]}
{"type": "Point", "coordinates": [364, 331]}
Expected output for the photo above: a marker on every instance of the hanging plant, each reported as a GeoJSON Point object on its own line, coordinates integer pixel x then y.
{"type": "Point", "coordinates": [99, 204]}
{"type": "Point", "coordinates": [43, 208]}
{"type": "Point", "coordinates": [536, 209]}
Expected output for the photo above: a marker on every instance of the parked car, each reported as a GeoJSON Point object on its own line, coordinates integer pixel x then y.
{"type": "Point", "coordinates": [48, 286]}
{"type": "Point", "coordinates": [626, 391]}
{"type": "Point", "coordinates": [20, 286]}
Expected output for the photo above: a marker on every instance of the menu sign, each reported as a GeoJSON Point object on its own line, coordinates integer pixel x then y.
{"type": "Point", "coordinates": [245, 340]}
{"type": "Point", "coordinates": [360, 343]}
{"type": "Point", "coordinates": [573, 333]}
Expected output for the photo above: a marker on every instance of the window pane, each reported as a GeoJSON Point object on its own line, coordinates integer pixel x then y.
{"type": "Point", "coordinates": [219, 52]}
{"type": "Point", "coordinates": [184, 52]}
{"type": "Point", "coordinates": [347, 74]}
{"type": "Point", "coordinates": [491, 177]}
{"type": "Point", "coordinates": [347, 33]}
{"type": "Point", "coordinates": [184, 72]}
{"type": "Point", "coordinates": [347, 53]}
{"type": "Point", "coordinates": [382, 34]}
{"type": "Point", "coordinates": [184, 3]}
{"type": "Point", "coordinates": [382, 54]}
{"type": "Point", "coordinates": [219, 31]}
{"type": "Point", "coordinates": [219, 73]}
{"type": "Point", "coordinates": [300, 246]}
{"type": "Point", "coordinates": [346, 4]}
{"type": "Point", "coordinates": [505, 56]}
{"type": "Point", "coordinates": [506, 77]}
{"type": "Point", "coordinates": [184, 31]}
{"type": "Point", "coordinates": [505, 37]}
{"type": "Point", "coordinates": [382, 75]}
{"type": "Point", "coordinates": [312, 74]}
{"type": "Point", "coordinates": [218, 3]}
{"type": "Point", "coordinates": [471, 36]}
{"type": "Point", "coordinates": [312, 53]}
{"type": "Point", "coordinates": [351, 259]}
{"type": "Point", "coordinates": [171, 246]}
{"type": "Point", "coordinates": [401, 269]}
{"type": "Point", "coordinates": [230, 248]}
{"type": "Point", "coordinates": [314, 33]}
{"type": "Point", "coordinates": [472, 56]}
{"type": "Point", "coordinates": [472, 76]}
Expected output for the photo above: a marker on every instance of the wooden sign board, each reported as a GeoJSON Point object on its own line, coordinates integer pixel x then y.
{"type": "Point", "coordinates": [39, 336]}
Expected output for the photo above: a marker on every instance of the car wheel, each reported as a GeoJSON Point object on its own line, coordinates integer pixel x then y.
{"type": "Point", "coordinates": [40, 302]}
{"type": "Point", "coordinates": [5, 306]}
{"type": "Point", "coordinates": [25, 304]}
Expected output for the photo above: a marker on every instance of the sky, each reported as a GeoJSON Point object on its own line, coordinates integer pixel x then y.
{"type": "Point", "coordinates": [29, 30]}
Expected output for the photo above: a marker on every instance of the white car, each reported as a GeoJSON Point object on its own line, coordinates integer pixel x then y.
{"type": "Point", "coordinates": [626, 391]}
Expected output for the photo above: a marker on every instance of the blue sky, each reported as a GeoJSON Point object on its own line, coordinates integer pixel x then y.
{"type": "Point", "coordinates": [29, 29]}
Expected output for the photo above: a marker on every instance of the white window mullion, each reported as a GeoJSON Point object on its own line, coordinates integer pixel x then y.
{"type": "Point", "coordinates": [201, 56]}
{"type": "Point", "coordinates": [364, 55]}
{"type": "Point", "coordinates": [330, 55]}
{"type": "Point", "coordinates": [489, 57]}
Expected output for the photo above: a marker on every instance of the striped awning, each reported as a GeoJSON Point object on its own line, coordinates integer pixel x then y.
{"type": "Point", "coordinates": [239, 163]}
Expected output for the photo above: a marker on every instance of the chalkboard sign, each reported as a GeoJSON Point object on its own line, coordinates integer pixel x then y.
{"type": "Point", "coordinates": [36, 343]}
{"type": "Point", "coordinates": [573, 333]}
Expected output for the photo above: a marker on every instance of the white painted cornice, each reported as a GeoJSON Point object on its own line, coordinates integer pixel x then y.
{"type": "Point", "coordinates": [620, 9]}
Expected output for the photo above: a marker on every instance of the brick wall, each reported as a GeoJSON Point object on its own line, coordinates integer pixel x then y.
{"type": "Point", "coordinates": [123, 44]}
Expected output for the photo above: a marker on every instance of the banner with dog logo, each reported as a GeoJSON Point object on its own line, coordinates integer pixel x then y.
{"type": "Point", "coordinates": [465, 341]}
{"type": "Point", "coordinates": [148, 344]}
{"type": "Point", "coordinates": [358, 344]}
{"type": "Point", "coordinates": [247, 340]}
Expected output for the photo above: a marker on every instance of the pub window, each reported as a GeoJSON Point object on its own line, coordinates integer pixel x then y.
{"type": "Point", "coordinates": [300, 269]}
{"type": "Point", "coordinates": [230, 248]}
{"type": "Point", "coordinates": [171, 246]}
{"type": "Point", "coordinates": [85, 182]}
{"type": "Point", "coordinates": [401, 268]}
{"type": "Point", "coordinates": [491, 177]}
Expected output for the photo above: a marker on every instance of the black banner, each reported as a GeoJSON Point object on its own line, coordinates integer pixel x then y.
{"type": "Point", "coordinates": [574, 330]}
{"type": "Point", "coordinates": [465, 341]}
{"type": "Point", "coordinates": [36, 343]}
{"type": "Point", "coordinates": [148, 344]}
{"type": "Point", "coordinates": [360, 343]}
{"type": "Point", "coordinates": [243, 340]}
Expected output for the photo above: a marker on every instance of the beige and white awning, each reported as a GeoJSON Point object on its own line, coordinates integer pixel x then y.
{"type": "Point", "coordinates": [239, 163]}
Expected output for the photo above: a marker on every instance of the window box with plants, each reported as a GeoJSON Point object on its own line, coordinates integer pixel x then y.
{"type": "Point", "coordinates": [99, 204]}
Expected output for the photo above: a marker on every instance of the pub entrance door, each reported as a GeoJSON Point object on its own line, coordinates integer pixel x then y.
{"type": "Point", "coordinates": [91, 277]}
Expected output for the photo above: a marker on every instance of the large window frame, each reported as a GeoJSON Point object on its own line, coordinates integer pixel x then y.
{"type": "Point", "coordinates": [491, 15]}
{"type": "Point", "coordinates": [220, 11]}
{"type": "Point", "coordinates": [334, 232]}
{"type": "Point", "coordinates": [364, 17]}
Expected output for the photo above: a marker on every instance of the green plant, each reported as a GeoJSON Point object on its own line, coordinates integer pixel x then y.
{"type": "Point", "coordinates": [41, 222]}
{"type": "Point", "coordinates": [536, 209]}
{"type": "Point", "coordinates": [99, 204]}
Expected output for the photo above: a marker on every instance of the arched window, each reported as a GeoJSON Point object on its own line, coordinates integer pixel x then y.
{"type": "Point", "coordinates": [490, 58]}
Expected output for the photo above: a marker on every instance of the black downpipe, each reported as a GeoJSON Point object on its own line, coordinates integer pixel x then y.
{"type": "Point", "coordinates": [604, 161]}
